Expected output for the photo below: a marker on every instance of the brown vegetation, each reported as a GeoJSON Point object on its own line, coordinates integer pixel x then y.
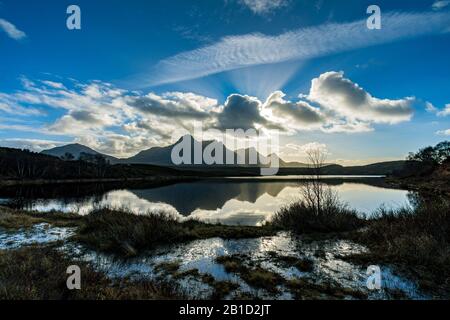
{"type": "Point", "coordinates": [39, 273]}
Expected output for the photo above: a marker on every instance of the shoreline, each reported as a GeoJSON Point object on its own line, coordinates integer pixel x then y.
{"type": "Point", "coordinates": [417, 185]}
{"type": "Point", "coordinates": [155, 179]}
{"type": "Point", "coordinates": [158, 179]}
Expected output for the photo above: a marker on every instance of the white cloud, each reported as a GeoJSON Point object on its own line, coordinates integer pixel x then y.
{"type": "Point", "coordinates": [11, 106]}
{"type": "Point", "coordinates": [56, 85]}
{"type": "Point", "coordinates": [175, 104]}
{"type": "Point", "coordinates": [234, 52]}
{"type": "Point", "coordinates": [444, 132]}
{"type": "Point", "coordinates": [347, 99]}
{"type": "Point", "coordinates": [445, 112]}
{"type": "Point", "coordinates": [11, 30]}
{"type": "Point", "coordinates": [440, 4]}
{"type": "Point", "coordinates": [241, 112]}
{"type": "Point", "coordinates": [121, 123]}
{"type": "Point", "coordinates": [263, 7]}
{"type": "Point", "coordinates": [296, 115]}
{"type": "Point", "coordinates": [305, 148]}
{"type": "Point", "coordinates": [429, 107]}
{"type": "Point", "coordinates": [31, 144]}
{"type": "Point", "coordinates": [345, 126]}
{"type": "Point", "coordinates": [299, 152]}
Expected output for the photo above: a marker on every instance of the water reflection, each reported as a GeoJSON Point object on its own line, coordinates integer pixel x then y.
{"type": "Point", "coordinates": [229, 201]}
{"type": "Point", "coordinates": [201, 255]}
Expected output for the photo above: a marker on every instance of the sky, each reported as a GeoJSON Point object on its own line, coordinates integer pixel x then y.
{"type": "Point", "coordinates": [140, 74]}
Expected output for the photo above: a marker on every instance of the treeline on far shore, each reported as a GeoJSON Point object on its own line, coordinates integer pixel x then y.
{"type": "Point", "coordinates": [16, 164]}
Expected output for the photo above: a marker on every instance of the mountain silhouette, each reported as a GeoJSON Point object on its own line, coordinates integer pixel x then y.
{"type": "Point", "coordinates": [241, 158]}
{"type": "Point", "coordinates": [76, 149]}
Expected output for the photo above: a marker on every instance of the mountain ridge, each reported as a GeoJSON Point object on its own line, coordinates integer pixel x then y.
{"type": "Point", "coordinates": [161, 156]}
{"type": "Point", "coordinates": [75, 149]}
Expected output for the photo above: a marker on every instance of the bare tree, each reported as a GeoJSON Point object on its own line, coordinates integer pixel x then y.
{"type": "Point", "coordinates": [316, 194]}
{"type": "Point", "coordinates": [20, 168]}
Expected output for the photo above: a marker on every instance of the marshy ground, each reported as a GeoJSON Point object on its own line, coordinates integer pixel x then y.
{"type": "Point", "coordinates": [309, 258]}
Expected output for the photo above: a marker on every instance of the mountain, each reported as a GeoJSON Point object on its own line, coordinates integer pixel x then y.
{"type": "Point", "coordinates": [19, 165]}
{"type": "Point", "coordinates": [162, 156]}
{"type": "Point", "coordinates": [380, 168]}
{"type": "Point", "coordinates": [75, 150]}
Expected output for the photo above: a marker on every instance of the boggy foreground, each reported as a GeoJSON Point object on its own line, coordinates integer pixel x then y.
{"type": "Point", "coordinates": [414, 240]}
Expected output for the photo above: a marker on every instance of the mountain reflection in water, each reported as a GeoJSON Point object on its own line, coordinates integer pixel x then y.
{"type": "Point", "coordinates": [248, 201]}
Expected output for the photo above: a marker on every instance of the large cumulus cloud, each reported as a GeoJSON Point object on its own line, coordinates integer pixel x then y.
{"type": "Point", "coordinates": [298, 115]}
{"type": "Point", "coordinates": [240, 112]}
{"type": "Point", "coordinates": [340, 95]}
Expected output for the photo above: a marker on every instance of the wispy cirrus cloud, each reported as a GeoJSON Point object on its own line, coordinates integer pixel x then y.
{"type": "Point", "coordinates": [440, 4]}
{"type": "Point", "coordinates": [11, 30]}
{"type": "Point", "coordinates": [234, 52]}
{"type": "Point", "coordinates": [444, 112]}
{"type": "Point", "coordinates": [262, 7]}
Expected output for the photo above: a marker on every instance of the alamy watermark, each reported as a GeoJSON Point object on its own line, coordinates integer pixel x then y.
{"type": "Point", "coordinates": [237, 147]}
{"type": "Point", "coordinates": [374, 21]}
{"type": "Point", "coordinates": [73, 21]}
{"type": "Point", "coordinates": [74, 280]}
{"type": "Point", "coordinates": [374, 278]}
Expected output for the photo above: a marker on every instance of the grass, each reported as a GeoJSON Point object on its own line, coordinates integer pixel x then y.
{"type": "Point", "coordinates": [261, 278]}
{"type": "Point", "coordinates": [232, 264]}
{"type": "Point", "coordinates": [254, 276]}
{"type": "Point", "coordinates": [302, 264]}
{"type": "Point", "coordinates": [170, 267]}
{"type": "Point", "coordinates": [301, 288]}
{"type": "Point", "coordinates": [307, 289]}
{"type": "Point", "coordinates": [39, 273]}
{"type": "Point", "coordinates": [16, 219]}
{"type": "Point", "coordinates": [301, 218]}
{"type": "Point", "coordinates": [220, 288]}
{"type": "Point", "coordinates": [126, 233]}
{"type": "Point", "coordinates": [416, 239]}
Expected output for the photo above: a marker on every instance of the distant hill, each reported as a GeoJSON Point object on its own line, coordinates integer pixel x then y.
{"type": "Point", "coordinates": [75, 150]}
{"type": "Point", "coordinates": [16, 164]}
{"type": "Point", "coordinates": [161, 156]}
{"type": "Point", "coordinates": [381, 168]}
{"type": "Point", "coordinates": [377, 169]}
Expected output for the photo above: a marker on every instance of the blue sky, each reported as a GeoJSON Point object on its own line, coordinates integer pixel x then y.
{"type": "Point", "coordinates": [140, 71]}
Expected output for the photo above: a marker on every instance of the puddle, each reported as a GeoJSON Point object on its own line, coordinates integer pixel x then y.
{"type": "Point", "coordinates": [38, 234]}
{"type": "Point", "coordinates": [326, 255]}
{"type": "Point", "coordinates": [201, 255]}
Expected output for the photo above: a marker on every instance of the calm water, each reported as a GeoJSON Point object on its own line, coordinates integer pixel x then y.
{"type": "Point", "coordinates": [244, 201]}
{"type": "Point", "coordinates": [247, 201]}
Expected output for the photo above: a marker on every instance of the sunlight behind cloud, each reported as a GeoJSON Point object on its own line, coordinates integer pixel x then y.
{"type": "Point", "coordinates": [261, 81]}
